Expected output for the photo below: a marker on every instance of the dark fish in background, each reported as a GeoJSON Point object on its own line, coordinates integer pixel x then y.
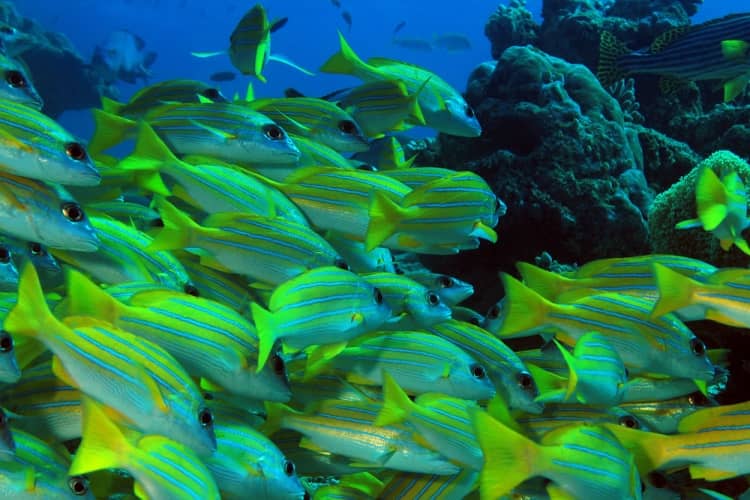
{"type": "Point", "coordinates": [278, 24]}
{"type": "Point", "coordinates": [347, 17]}
{"type": "Point", "coordinates": [292, 92]}
{"type": "Point", "coordinates": [336, 3]}
{"type": "Point", "coordinates": [223, 76]}
{"type": "Point", "coordinates": [715, 50]}
{"type": "Point", "coordinates": [123, 57]}
{"type": "Point", "coordinates": [452, 42]}
{"type": "Point", "coordinates": [399, 27]}
{"type": "Point", "coordinates": [413, 44]}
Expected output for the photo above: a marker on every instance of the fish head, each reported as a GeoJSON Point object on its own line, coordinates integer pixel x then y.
{"type": "Point", "coordinates": [269, 143]}
{"type": "Point", "coordinates": [50, 272]}
{"type": "Point", "coordinates": [426, 307]}
{"type": "Point", "coordinates": [280, 477]}
{"type": "Point", "coordinates": [374, 309]}
{"type": "Point", "coordinates": [470, 379]}
{"type": "Point", "coordinates": [191, 422]}
{"type": "Point", "coordinates": [493, 320]}
{"type": "Point", "coordinates": [9, 369]}
{"type": "Point", "coordinates": [345, 135]}
{"type": "Point", "coordinates": [65, 225]}
{"type": "Point", "coordinates": [451, 290]}
{"type": "Point", "coordinates": [690, 361]}
{"type": "Point", "coordinates": [456, 118]}
{"type": "Point", "coordinates": [519, 390]}
{"type": "Point", "coordinates": [18, 86]}
{"type": "Point", "coordinates": [70, 164]}
{"type": "Point", "coordinates": [8, 270]}
{"type": "Point", "coordinates": [270, 384]}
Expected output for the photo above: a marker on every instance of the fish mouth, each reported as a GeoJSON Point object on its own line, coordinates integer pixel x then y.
{"type": "Point", "coordinates": [89, 244]}
{"type": "Point", "coordinates": [86, 178]}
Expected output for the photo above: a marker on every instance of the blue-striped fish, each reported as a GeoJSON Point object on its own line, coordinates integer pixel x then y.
{"type": "Point", "coordinates": [415, 305]}
{"type": "Point", "coordinates": [311, 462]}
{"type": "Point", "coordinates": [713, 442]}
{"type": "Point", "coordinates": [46, 213]}
{"type": "Point", "coordinates": [326, 305]}
{"type": "Point", "coordinates": [441, 216]}
{"type": "Point", "coordinates": [360, 486]}
{"type": "Point", "coordinates": [443, 422]}
{"type": "Point", "coordinates": [228, 289]}
{"type": "Point", "coordinates": [165, 92]}
{"type": "Point", "coordinates": [18, 86]}
{"type": "Point", "coordinates": [162, 468]}
{"type": "Point", "coordinates": [385, 154]}
{"type": "Point", "coordinates": [316, 119]}
{"type": "Point", "coordinates": [136, 214]}
{"type": "Point", "coordinates": [266, 249]}
{"type": "Point", "coordinates": [44, 404]}
{"type": "Point", "coordinates": [10, 253]}
{"type": "Point", "coordinates": [209, 339]}
{"type": "Point", "coordinates": [50, 272]}
{"type": "Point", "coordinates": [382, 106]}
{"type": "Point", "coordinates": [34, 452]}
{"type": "Point", "coordinates": [443, 108]}
{"type": "Point", "coordinates": [583, 461]}
{"type": "Point", "coordinates": [664, 416]}
{"type": "Point", "coordinates": [508, 373]}
{"type": "Point", "coordinates": [721, 296]}
{"type": "Point", "coordinates": [123, 257]}
{"type": "Point", "coordinates": [347, 428]}
{"type": "Point", "coordinates": [431, 487]}
{"type": "Point", "coordinates": [228, 132]}
{"type": "Point", "coordinates": [360, 261]}
{"type": "Point", "coordinates": [555, 416]}
{"type": "Point", "coordinates": [250, 44]}
{"type": "Point", "coordinates": [19, 480]}
{"type": "Point", "coordinates": [247, 464]}
{"type": "Point", "coordinates": [419, 362]}
{"type": "Point", "coordinates": [211, 187]}
{"type": "Point", "coordinates": [133, 376]}
{"type": "Point", "coordinates": [623, 319]}
{"type": "Point", "coordinates": [37, 147]}
{"type": "Point", "coordinates": [313, 154]}
{"type": "Point", "coordinates": [338, 200]}
{"type": "Point", "coordinates": [714, 50]}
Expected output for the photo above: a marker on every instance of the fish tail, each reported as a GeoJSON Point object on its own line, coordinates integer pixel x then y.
{"type": "Point", "coordinates": [415, 110]}
{"type": "Point", "coordinates": [149, 154]}
{"type": "Point", "coordinates": [267, 334]}
{"type": "Point", "coordinates": [345, 61]}
{"type": "Point", "coordinates": [523, 310]}
{"type": "Point", "coordinates": [109, 130]}
{"type": "Point", "coordinates": [552, 387]}
{"type": "Point", "coordinates": [546, 283]}
{"type": "Point", "coordinates": [178, 228]}
{"type": "Point", "coordinates": [610, 50]}
{"type": "Point", "coordinates": [711, 199]}
{"type": "Point", "coordinates": [509, 457]}
{"type": "Point", "coordinates": [111, 106]}
{"type": "Point", "coordinates": [275, 413]}
{"type": "Point", "coordinates": [385, 215]}
{"type": "Point", "coordinates": [648, 448]}
{"type": "Point", "coordinates": [675, 290]}
{"type": "Point", "coordinates": [572, 365]}
{"type": "Point", "coordinates": [31, 315]}
{"type": "Point", "coordinates": [396, 403]}
{"type": "Point", "coordinates": [103, 445]}
{"type": "Point", "coordinates": [86, 298]}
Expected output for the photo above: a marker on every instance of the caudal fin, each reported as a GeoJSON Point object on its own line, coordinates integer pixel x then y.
{"type": "Point", "coordinates": [109, 130]}
{"type": "Point", "coordinates": [385, 216]}
{"type": "Point", "coordinates": [344, 62]}
{"type": "Point", "coordinates": [178, 230]}
{"type": "Point", "coordinates": [31, 315]}
{"type": "Point", "coordinates": [675, 290]}
{"type": "Point", "coordinates": [711, 199]}
{"type": "Point", "coordinates": [396, 403]}
{"type": "Point", "coordinates": [86, 298]}
{"type": "Point", "coordinates": [103, 445]}
{"type": "Point", "coordinates": [267, 334]}
{"type": "Point", "coordinates": [523, 309]}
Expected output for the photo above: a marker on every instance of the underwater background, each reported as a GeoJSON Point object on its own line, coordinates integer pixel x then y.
{"type": "Point", "coordinates": [532, 213]}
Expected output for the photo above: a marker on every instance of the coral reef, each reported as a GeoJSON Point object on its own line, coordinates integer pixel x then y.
{"type": "Point", "coordinates": [678, 203]}
{"type": "Point", "coordinates": [511, 24]}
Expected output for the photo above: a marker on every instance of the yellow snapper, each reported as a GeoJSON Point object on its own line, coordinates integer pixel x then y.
{"type": "Point", "coordinates": [36, 146]}
{"type": "Point", "coordinates": [162, 468]}
{"type": "Point", "coordinates": [163, 92]}
{"type": "Point", "coordinates": [443, 107]}
{"type": "Point", "coordinates": [18, 86]}
{"type": "Point", "coordinates": [138, 379]}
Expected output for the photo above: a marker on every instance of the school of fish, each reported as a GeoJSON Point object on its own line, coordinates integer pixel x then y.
{"type": "Point", "coordinates": [235, 309]}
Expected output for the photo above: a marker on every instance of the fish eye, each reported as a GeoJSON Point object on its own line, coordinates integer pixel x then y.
{"type": "Point", "coordinates": [157, 222]}
{"type": "Point", "coordinates": [208, 396]}
{"type": "Point", "coordinates": [367, 167]}
{"type": "Point", "coordinates": [477, 371]}
{"type": "Point", "coordinates": [657, 480]}
{"type": "Point", "coordinates": [697, 399]}
{"type": "Point", "coordinates": [8, 30]}
{"type": "Point", "coordinates": [16, 79]}
{"type": "Point", "coordinates": [397, 269]}
{"type": "Point", "coordinates": [273, 132]}
{"type": "Point", "coordinates": [475, 321]}
{"type": "Point", "coordinates": [72, 212]}
{"type": "Point", "coordinates": [494, 312]}
{"type": "Point", "coordinates": [469, 112]}
{"type": "Point", "coordinates": [432, 298]}
{"type": "Point", "coordinates": [205, 417]}
{"type": "Point", "coordinates": [75, 151]}
{"type": "Point", "coordinates": [525, 381]}
{"type": "Point", "coordinates": [377, 295]}
{"type": "Point", "coordinates": [4, 254]}
{"type": "Point", "coordinates": [629, 421]}
{"type": "Point", "coordinates": [278, 365]}
{"type": "Point", "coordinates": [341, 264]}
{"type": "Point", "coordinates": [289, 468]}
{"type": "Point", "coordinates": [190, 289]}
{"type": "Point", "coordinates": [36, 248]}
{"type": "Point", "coordinates": [6, 341]}
{"type": "Point", "coordinates": [79, 485]}
{"type": "Point", "coordinates": [445, 281]}
{"type": "Point", "coordinates": [697, 346]}
{"type": "Point", "coordinates": [211, 93]}
{"type": "Point", "coordinates": [347, 127]}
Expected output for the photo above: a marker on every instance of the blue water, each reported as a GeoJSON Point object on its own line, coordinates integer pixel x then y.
{"type": "Point", "coordinates": [173, 28]}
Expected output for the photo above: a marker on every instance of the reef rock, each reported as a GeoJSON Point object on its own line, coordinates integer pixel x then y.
{"type": "Point", "coordinates": [59, 73]}
{"type": "Point", "coordinates": [511, 24]}
{"type": "Point", "coordinates": [556, 149]}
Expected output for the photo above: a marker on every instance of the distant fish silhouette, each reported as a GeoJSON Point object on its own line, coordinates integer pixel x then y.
{"type": "Point", "coordinates": [123, 56]}
{"type": "Point", "coordinates": [412, 44]}
{"type": "Point", "coordinates": [399, 27]}
{"type": "Point", "coordinates": [336, 3]}
{"type": "Point", "coordinates": [347, 17]}
{"type": "Point", "coordinates": [452, 42]}
{"type": "Point", "coordinates": [223, 76]}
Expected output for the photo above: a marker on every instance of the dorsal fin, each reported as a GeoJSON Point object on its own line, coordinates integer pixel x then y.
{"type": "Point", "coordinates": [668, 37]}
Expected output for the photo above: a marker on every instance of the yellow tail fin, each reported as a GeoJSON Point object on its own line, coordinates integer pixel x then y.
{"type": "Point", "coordinates": [103, 445]}
{"type": "Point", "coordinates": [178, 231]}
{"type": "Point", "coordinates": [675, 290]}
{"type": "Point", "coordinates": [31, 315]}
{"type": "Point", "coordinates": [396, 403]}
{"type": "Point", "coordinates": [267, 334]}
